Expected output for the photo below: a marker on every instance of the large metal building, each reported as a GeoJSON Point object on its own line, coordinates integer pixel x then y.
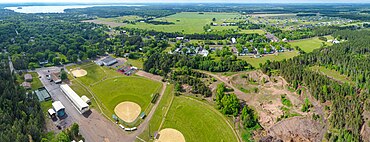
{"type": "Point", "coordinates": [76, 100]}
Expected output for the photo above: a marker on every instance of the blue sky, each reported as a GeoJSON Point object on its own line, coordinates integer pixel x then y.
{"type": "Point", "coordinates": [190, 1]}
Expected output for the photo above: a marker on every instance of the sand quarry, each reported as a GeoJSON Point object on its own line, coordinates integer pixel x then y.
{"type": "Point", "coordinates": [170, 135]}
{"type": "Point", "coordinates": [127, 111]}
{"type": "Point", "coordinates": [79, 72]}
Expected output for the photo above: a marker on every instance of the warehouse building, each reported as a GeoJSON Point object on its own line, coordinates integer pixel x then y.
{"type": "Point", "coordinates": [76, 100]}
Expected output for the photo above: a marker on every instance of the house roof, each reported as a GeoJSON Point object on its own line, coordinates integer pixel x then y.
{"type": "Point", "coordinates": [27, 76]}
{"type": "Point", "coordinates": [57, 105]}
{"type": "Point", "coordinates": [108, 59]}
{"type": "Point", "coordinates": [51, 111]}
{"type": "Point", "coordinates": [26, 85]}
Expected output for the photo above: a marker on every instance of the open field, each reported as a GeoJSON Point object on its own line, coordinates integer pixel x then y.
{"type": "Point", "coordinates": [186, 22]}
{"type": "Point", "coordinates": [310, 44]}
{"type": "Point", "coordinates": [332, 74]}
{"type": "Point", "coordinates": [198, 121]}
{"type": "Point", "coordinates": [257, 31]}
{"type": "Point", "coordinates": [256, 61]}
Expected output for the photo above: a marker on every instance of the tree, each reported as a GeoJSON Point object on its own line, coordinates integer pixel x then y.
{"type": "Point", "coordinates": [213, 19]}
{"type": "Point", "coordinates": [63, 75]}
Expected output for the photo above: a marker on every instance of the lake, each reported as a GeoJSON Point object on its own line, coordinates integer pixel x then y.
{"type": "Point", "coordinates": [53, 9]}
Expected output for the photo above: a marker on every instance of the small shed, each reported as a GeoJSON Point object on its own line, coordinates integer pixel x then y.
{"type": "Point", "coordinates": [59, 108]}
{"type": "Point", "coordinates": [142, 115]}
{"type": "Point", "coordinates": [51, 113]}
{"type": "Point", "coordinates": [85, 99]}
{"type": "Point", "coordinates": [56, 77]}
{"type": "Point", "coordinates": [42, 94]}
{"type": "Point", "coordinates": [28, 77]}
{"type": "Point", "coordinates": [26, 85]}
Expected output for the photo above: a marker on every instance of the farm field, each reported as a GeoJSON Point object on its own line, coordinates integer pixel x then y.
{"type": "Point", "coordinates": [198, 121]}
{"type": "Point", "coordinates": [332, 74]}
{"type": "Point", "coordinates": [256, 61]}
{"type": "Point", "coordinates": [310, 44]}
{"type": "Point", "coordinates": [188, 22]}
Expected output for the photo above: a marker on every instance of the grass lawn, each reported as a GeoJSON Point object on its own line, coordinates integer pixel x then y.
{"type": "Point", "coordinates": [257, 31]}
{"type": "Point", "coordinates": [137, 63]}
{"type": "Point", "coordinates": [310, 44]}
{"type": "Point", "coordinates": [256, 61]}
{"type": "Point", "coordinates": [332, 74]}
{"type": "Point", "coordinates": [156, 120]}
{"type": "Point", "coordinates": [198, 122]}
{"type": "Point", "coordinates": [45, 106]}
{"type": "Point", "coordinates": [36, 83]}
{"type": "Point", "coordinates": [189, 22]}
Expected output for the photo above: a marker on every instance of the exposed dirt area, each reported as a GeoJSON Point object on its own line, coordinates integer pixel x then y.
{"type": "Point", "coordinates": [297, 129]}
{"type": "Point", "coordinates": [149, 75]}
{"type": "Point", "coordinates": [170, 135]}
{"type": "Point", "coordinates": [79, 73]}
{"type": "Point", "coordinates": [127, 111]}
{"type": "Point", "coordinates": [365, 130]}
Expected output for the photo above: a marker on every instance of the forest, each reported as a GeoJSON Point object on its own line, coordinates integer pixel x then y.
{"type": "Point", "coordinates": [351, 59]}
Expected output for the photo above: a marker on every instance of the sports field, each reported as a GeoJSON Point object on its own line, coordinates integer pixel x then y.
{"type": "Point", "coordinates": [189, 22]}
{"type": "Point", "coordinates": [256, 61]}
{"type": "Point", "coordinates": [111, 88]}
{"type": "Point", "coordinates": [310, 44]}
{"type": "Point", "coordinates": [198, 121]}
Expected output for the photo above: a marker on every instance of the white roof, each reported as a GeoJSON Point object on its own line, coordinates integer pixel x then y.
{"type": "Point", "coordinates": [85, 99]}
{"type": "Point", "coordinates": [78, 102]}
{"type": "Point", "coordinates": [57, 105]}
{"type": "Point", "coordinates": [51, 111]}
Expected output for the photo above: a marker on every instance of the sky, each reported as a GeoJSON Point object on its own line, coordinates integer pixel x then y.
{"type": "Point", "coordinates": [187, 1]}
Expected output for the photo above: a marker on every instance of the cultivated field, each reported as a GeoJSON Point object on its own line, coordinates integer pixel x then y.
{"type": "Point", "coordinates": [256, 61]}
{"type": "Point", "coordinates": [186, 22]}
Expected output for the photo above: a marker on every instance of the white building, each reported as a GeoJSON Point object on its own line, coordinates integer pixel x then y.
{"type": "Point", "coordinates": [58, 108]}
{"type": "Point", "coordinates": [85, 99]}
{"type": "Point", "coordinates": [76, 100]}
{"type": "Point", "coordinates": [233, 40]}
{"type": "Point", "coordinates": [109, 61]}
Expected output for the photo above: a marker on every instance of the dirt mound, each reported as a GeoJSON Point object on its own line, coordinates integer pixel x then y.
{"type": "Point", "coordinates": [296, 129]}
{"type": "Point", "coordinates": [79, 73]}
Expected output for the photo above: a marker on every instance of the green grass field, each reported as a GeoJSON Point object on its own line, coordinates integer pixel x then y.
{"type": "Point", "coordinates": [257, 31]}
{"type": "Point", "coordinates": [256, 61]}
{"type": "Point", "coordinates": [310, 44]}
{"type": "Point", "coordinates": [111, 87]}
{"type": "Point", "coordinates": [332, 74]}
{"type": "Point", "coordinates": [198, 121]}
{"type": "Point", "coordinates": [188, 22]}
{"type": "Point", "coordinates": [35, 84]}
{"type": "Point", "coordinates": [137, 63]}
{"type": "Point", "coordinates": [113, 91]}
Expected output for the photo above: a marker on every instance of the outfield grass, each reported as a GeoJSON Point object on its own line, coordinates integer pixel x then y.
{"type": "Point", "coordinates": [198, 122]}
{"type": "Point", "coordinates": [256, 61]}
{"type": "Point", "coordinates": [188, 22]}
{"type": "Point", "coordinates": [308, 45]}
{"type": "Point", "coordinates": [157, 117]}
{"type": "Point", "coordinates": [113, 91]}
{"type": "Point", "coordinates": [332, 74]}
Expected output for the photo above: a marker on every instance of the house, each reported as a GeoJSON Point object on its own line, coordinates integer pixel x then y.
{"type": "Point", "coordinates": [28, 77]}
{"type": "Point", "coordinates": [272, 37]}
{"type": "Point", "coordinates": [233, 40]}
{"type": "Point", "coordinates": [179, 38]}
{"type": "Point", "coordinates": [336, 41]}
{"type": "Point", "coordinates": [109, 61]}
{"type": "Point", "coordinates": [26, 85]}
{"type": "Point", "coordinates": [203, 52]}
{"type": "Point", "coordinates": [58, 108]}
{"type": "Point", "coordinates": [234, 50]}
{"type": "Point", "coordinates": [285, 40]}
